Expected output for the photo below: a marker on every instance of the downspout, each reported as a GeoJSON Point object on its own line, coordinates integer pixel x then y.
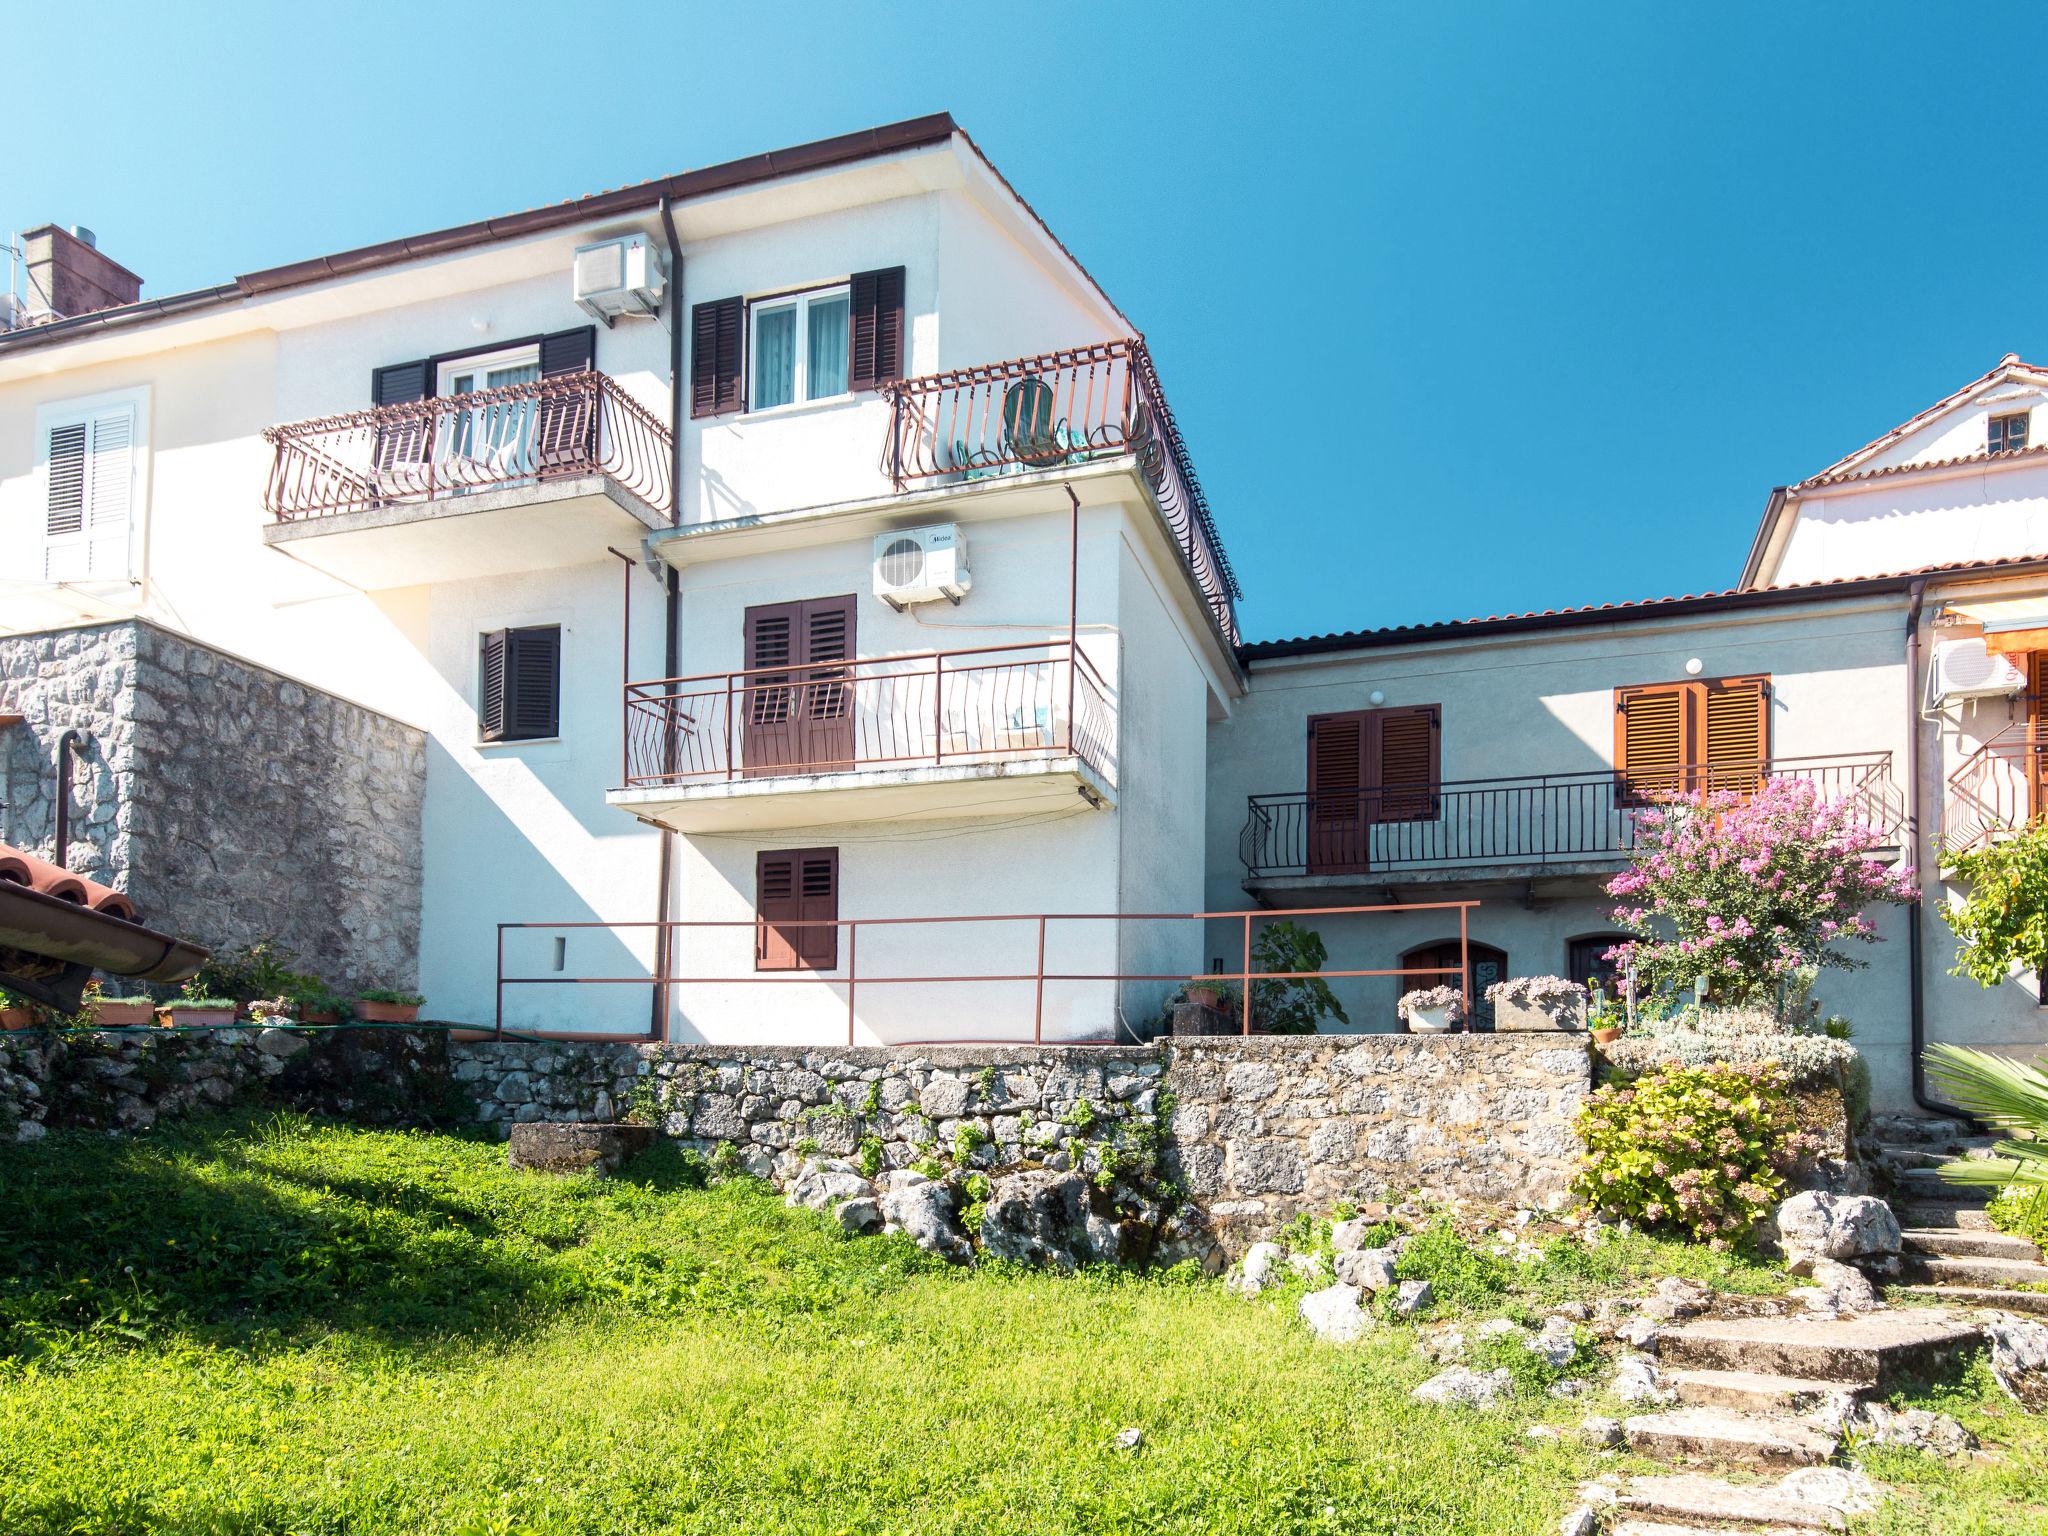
{"type": "Point", "coordinates": [672, 609]}
{"type": "Point", "coordinates": [1915, 980]}
{"type": "Point", "coordinates": [69, 745]}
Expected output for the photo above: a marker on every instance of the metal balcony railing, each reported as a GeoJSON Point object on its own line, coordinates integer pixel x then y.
{"type": "Point", "coordinates": [1999, 788]}
{"type": "Point", "coordinates": [422, 450]}
{"type": "Point", "coordinates": [1062, 408]}
{"type": "Point", "coordinates": [1532, 819]}
{"type": "Point", "coordinates": [984, 705]}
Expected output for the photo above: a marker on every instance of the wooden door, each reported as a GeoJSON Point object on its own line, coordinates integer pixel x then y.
{"type": "Point", "coordinates": [2037, 734]}
{"type": "Point", "coordinates": [796, 702]}
{"type": "Point", "coordinates": [1368, 768]}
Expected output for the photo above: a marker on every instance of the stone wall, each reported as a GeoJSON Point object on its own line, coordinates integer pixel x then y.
{"type": "Point", "coordinates": [229, 802]}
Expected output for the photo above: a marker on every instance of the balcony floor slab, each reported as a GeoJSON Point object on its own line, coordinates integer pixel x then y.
{"type": "Point", "coordinates": [499, 532]}
{"type": "Point", "coordinates": [1558, 879]}
{"type": "Point", "coordinates": [952, 791]}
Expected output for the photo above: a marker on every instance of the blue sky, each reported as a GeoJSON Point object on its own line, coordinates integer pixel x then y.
{"type": "Point", "coordinates": [1465, 308]}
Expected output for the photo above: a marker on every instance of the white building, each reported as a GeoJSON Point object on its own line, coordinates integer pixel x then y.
{"type": "Point", "coordinates": [786, 549]}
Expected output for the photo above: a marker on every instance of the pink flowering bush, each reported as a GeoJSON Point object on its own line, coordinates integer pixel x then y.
{"type": "Point", "coordinates": [1702, 1150]}
{"type": "Point", "coordinates": [1745, 889]}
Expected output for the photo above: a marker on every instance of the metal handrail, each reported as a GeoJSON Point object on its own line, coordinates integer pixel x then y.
{"type": "Point", "coordinates": [1516, 819]}
{"type": "Point", "coordinates": [1065, 407]}
{"type": "Point", "coordinates": [1998, 788]}
{"type": "Point", "coordinates": [444, 445]}
{"type": "Point", "coordinates": [978, 704]}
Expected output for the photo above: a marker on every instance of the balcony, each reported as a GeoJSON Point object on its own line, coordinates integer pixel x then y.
{"type": "Point", "coordinates": [526, 477]}
{"type": "Point", "coordinates": [1058, 410]}
{"type": "Point", "coordinates": [1999, 789]}
{"type": "Point", "coordinates": [1557, 827]}
{"type": "Point", "coordinates": [941, 733]}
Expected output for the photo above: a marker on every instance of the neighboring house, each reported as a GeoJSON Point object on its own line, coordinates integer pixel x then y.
{"type": "Point", "coordinates": [809, 539]}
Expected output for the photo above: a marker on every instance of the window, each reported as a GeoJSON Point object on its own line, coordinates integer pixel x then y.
{"type": "Point", "coordinates": [1671, 738]}
{"type": "Point", "coordinates": [1368, 767]}
{"type": "Point", "coordinates": [1585, 960]}
{"type": "Point", "coordinates": [91, 452]}
{"type": "Point", "coordinates": [799, 348]}
{"type": "Point", "coordinates": [2008, 434]}
{"type": "Point", "coordinates": [797, 710]}
{"type": "Point", "coordinates": [796, 909]}
{"type": "Point", "coordinates": [519, 684]}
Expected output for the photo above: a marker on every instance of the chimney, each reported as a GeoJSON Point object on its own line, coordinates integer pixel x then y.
{"type": "Point", "coordinates": [68, 276]}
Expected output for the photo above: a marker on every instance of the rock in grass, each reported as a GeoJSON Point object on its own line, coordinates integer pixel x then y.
{"type": "Point", "coordinates": [1600, 1432]}
{"type": "Point", "coordinates": [1038, 1218]}
{"type": "Point", "coordinates": [1636, 1381]}
{"type": "Point", "coordinates": [1676, 1299]}
{"type": "Point", "coordinates": [1130, 1439]}
{"type": "Point", "coordinates": [862, 1215]}
{"type": "Point", "coordinates": [925, 1212]}
{"type": "Point", "coordinates": [1462, 1387]}
{"type": "Point", "coordinates": [1370, 1269]}
{"type": "Point", "coordinates": [1849, 1229]}
{"type": "Point", "coordinates": [1557, 1343]}
{"type": "Point", "coordinates": [1335, 1314]}
{"type": "Point", "coordinates": [1583, 1521]}
{"type": "Point", "coordinates": [1347, 1236]}
{"type": "Point", "coordinates": [2019, 1359]}
{"type": "Point", "coordinates": [1312, 1267]}
{"type": "Point", "coordinates": [1414, 1296]}
{"type": "Point", "coordinates": [1261, 1267]}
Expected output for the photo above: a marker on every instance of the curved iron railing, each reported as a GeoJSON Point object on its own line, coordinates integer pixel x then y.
{"type": "Point", "coordinates": [420, 450]}
{"type": "Point", "coordinates": [1533, 819]}
{"type": "Point", "coordinates": [1064, 407]}
{"type": "Point", "coordinates": [2000, 787]}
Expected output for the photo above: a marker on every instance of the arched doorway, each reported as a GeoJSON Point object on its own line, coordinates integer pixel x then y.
{"type": "Point", "coordinates": [1489, 965]}
{"type": "Point", "coordinates": [1585, 959]}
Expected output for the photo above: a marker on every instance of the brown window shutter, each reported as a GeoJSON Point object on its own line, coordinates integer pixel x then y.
{"type": "Point", "coordinates": [874, 346]}
{"type": "Point", "coordinates": [715, 357]}
{"type": "Point", "coordinates": [1402, 763]}
{"type": "Point", "coordinates": [397, 442]}
{"type": "Point", "coordinates": [776, 907]}
{"type": "Point", "coordinates": [565, 435]}
{"type": "Point", "coordinates": [568, 352]}
{"type": "Point", "coordinates": [533, 682]}
{"type": "Point", "coordinates": [1652, 739]}
{"type": "Point", "coordinates": [773, 633]}
{"type": "Point", "coordinates": [490, 686]}
{"type": "Point", "coordinates": [828, 637]}
{"type": "Point", "coordinates": [817, 947]}
{"type": "Point", "coordinates": [1336, 764]}
{"type": "Point", "coordinates": [1736, 731]}
{"type": "Point", "coordinates": [401, 382]}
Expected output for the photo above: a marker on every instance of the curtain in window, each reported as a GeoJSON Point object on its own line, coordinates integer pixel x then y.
{"type": "Point", "coordinates": [774, 358]}
{"type": "Point", "coordinates": [826, 375]}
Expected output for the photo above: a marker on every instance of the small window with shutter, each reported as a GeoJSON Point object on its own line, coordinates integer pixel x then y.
{"type": "Point", "coordinates": [91, 457]}
{"type": "Point", "coordinates": [519, 683]}
{"type": "Point", "coordinates": [796, 909]}
{"type": "Point", "coordinates": [1676, 738]}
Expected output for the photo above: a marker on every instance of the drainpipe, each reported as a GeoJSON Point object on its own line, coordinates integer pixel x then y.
{"type": "Point", "coordinates": [672, 608]}
{"type": "Point", "coordinates": [1915, 979]}
{"type": "Point", "coordinates": [69, 746]}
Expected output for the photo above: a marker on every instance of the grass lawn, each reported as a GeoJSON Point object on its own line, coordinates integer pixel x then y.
{"type": "Point", "coordinates": [282, 1327]}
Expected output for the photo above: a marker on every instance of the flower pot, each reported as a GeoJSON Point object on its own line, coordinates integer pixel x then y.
{"type": "Point", "coordinates": [1429, 1021]}
{"type": "Point", "coordinates": [471, 1036]}
{"type": "Point", "coordinates": [1206, 997]}
{"type": "Point", "coordinates": [1607, 1034]}
{"type": "Point", "coordinates": [17, 1018]}
{"type": "Point", "coordinates": [368, 1012]}
{"type": "Point", "coordinates": [200, 1018]}
{"type": "Point", "coordinates": [318, 1016]}
{"type": "Point", "coordinates": [123, 1015]}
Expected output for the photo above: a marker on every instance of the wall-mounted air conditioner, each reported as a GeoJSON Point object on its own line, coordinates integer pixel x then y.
{"type": "Point", "coordinates": [619, 277]}
{"type": "Point", "coordinates": [921, 565]}
{"type": "Point", "coordinates": [1965, 669]}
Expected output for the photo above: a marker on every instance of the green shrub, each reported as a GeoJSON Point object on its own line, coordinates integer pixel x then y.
{"type": "Point", "coordinates": [262, 969]}
{"type": "Point", "coordinates": [869, 1158]}
{"type": "Point", "coordinates": [1533, 1374]}
{"type": "Point", "coordinates": [1698, 1149]}
{"type": "Point", "coordinates": [2023, 1212]}
{"type": "Point", "coordinates": [1458, 1275]}
{"type": "Point", "coordinates": [1291, 1006]}
{"type": "Point", "coordinates": [2003, 925]}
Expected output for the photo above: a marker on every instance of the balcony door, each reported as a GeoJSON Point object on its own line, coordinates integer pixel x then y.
{"type": "Point", "coordinates": [492, 441]}
{"type": "Point", "coordinates": [796, 701]}
{"type": "Point", "coordinates": [1368, 769]}
{"type": "Point", "coordinates": [2037, 734]}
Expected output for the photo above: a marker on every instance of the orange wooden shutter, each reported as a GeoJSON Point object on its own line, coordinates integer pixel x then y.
{"type": "Point", "coordinates": [1336, 765]}
{"type": "Point", "coordinates": [1402, 763]}
{"type": "Point", "coordinates": [1651, 738]}
{"type": "Point", "coordinates": [1736, 731]}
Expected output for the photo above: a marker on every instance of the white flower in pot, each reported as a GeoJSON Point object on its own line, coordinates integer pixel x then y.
{"type": "Point", "coordinates": [1433, 1010]}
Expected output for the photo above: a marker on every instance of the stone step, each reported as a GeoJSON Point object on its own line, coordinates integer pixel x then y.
{"type": "Point", "coordinates": [1896, 1129]}
{"type": "Point", "coordinates": [1970, 1217]}
{"type": "Point", "coordinates": [1754, 1391]}
{"type": "Point", "coordinates": [1932, 1154]}
{"type": "Point", "coordinates": [1720, 1436]}
{"type": "Point", "coordinates": [1948, 1243]}
{"type": "Point", "coordinates": [1630, 1526]}
{"type": "Point", "coordinates": [1979, 1296]}
{"type": "Point", "coordinates": [1694, 1501]}
{"type": "Point", "coordinates": [1872, 1350]}
{"type": "Point", "coordinates": [1992, 1272]}
{"type": "Point", "coordinates": [1928, 1184]}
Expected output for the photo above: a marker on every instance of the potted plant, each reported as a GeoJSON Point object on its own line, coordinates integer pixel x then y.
{"type": "Point", "coordinates": [122, 1012]}
{"type": "Point", "coordinates": [380, 1005]}
{"type": "Point", "coordinates": [1606, 1021]}
{"type": "Point", "coordinates": [273, 1010]}
{"type": "Point", "coordinates": [1537, 1003]}
{"type": "Point", "coordinates": [193, 1009]}
{"type": "Point", "coordinates": [320, 1006]}
{"type": "Point", "coordinates": [1433, 1011]}
{"type": "Point", "coordinates": [16, 1012]}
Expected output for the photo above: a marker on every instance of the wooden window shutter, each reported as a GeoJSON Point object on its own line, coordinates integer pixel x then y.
{"type": "Point", "coordinates": [1402, 763]}
{"type": "Point", "coordinates": [875, 322]}
{"type": "Point", "coordinates": [490, 685]}
{"type": "Point", "coordinates": [1735, 730]}
{"type": "Point", "coordinates": [403, 441]}
{"type": "Point", "coordinates": [1336, 765]}
{"type": "Point", "coordinates": [818, 892]}
{"type": "Point", "coordinates": [401, 382]}
{"type": "Point", "coordinates": [715, 357]}
{"type": "Point", "coordinates": [795, 887]}
{"type": "Point", "coordinates": [533, 688]}
{"type": "Point", "coordinates": [774, 632]}
{"type": "Point", "coordinates": [776, 906]}
{"type": "Point", "coordinates": [1652, 740]}
{"type": "Point", "coordinates": [565, 433]}
{"type": "Point", "coordinates": [568, 352]}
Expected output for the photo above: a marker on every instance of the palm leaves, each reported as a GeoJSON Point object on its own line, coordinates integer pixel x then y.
{"type": "Point", "coordinates": [2008, 1095]}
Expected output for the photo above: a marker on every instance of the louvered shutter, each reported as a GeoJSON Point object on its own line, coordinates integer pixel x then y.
{"type": "Point", "coordinates": [774, 631]}
{"type": "Point", "coordinates": [1336, 765]}
{"type": "Point", "coordinates": [776, 906]}
{"type": "Point", "coordinates": [565, 435]}
{"type": "Point", "coordinates": [817, 945]}
{"type": "Point", "coordinates": [875, 324]}
{"type": "Point", "coordinates": [1735, 729]}
{"type": "Point", "coordinates": [1402, 763]}
{"type": "Point", "coordinates": [402, 440]}
{"type": "Point", "coordinates": [1652, 737]}
{"type": "Point", "coordinates": [827, 702]}
{"type": "Point", "coordinates": [490, 685]}
{"type": "Point", "coordinates": [533, 674]}
{"type": "Point", "coordinates": [715, 357]}
{"type": "Point", "coordinates": [89, 505]}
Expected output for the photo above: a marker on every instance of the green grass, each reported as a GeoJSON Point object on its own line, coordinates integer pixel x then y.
{"type": "Point", "coordinates": [289, 1328]}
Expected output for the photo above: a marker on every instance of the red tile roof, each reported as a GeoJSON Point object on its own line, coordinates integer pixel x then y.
{"type": "Point", "coordinates": [2006, 365]}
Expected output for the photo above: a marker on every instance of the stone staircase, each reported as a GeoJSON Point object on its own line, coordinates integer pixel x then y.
{"type": "Point", "coordinates": [1952, 1252]}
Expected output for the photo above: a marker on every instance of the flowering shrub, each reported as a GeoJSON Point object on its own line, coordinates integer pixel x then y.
{"type": "Point", "coordinates": [2003, 924]}
{"type": "Point", "coordinates": [1433, 997]}
{"type": "Point", "coordinates": [1546, 994]}
{"type": "Point", "coordinates": [1700, 1149]}
{"type": "Point", "coordinates": [1745, 890]}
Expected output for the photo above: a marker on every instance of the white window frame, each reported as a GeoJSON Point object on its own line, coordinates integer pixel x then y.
{"type": "Point", "coordinates": [481, 363]}
{"type": "Point", "coordinates": [57, 414]}
{"type": "Point", "coordinates": [800, 302]}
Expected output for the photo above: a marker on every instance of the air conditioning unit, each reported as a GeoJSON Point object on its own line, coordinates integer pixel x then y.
{"type": "Point", "coordinates": [921, 565]}
{"type": "Point", "coordinates": [1964, 669]}
{"type": "Point", "coordinates": [619, 277]}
